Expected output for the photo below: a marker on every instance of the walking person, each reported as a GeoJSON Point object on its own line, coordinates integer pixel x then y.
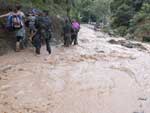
{"type": "Point", "coordinates": [43, 26]}
{"type": "Point", "coordinates": [15, 23]}
{"type": "Point", "coordinates": [74, 32]}
{"type": "Point", "coordinates": [20, 31]}
{"type": "Point", "coordinates": [67, 33]}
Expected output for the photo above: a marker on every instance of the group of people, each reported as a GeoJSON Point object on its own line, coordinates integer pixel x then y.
{"type": "Point", "coordinates": [70, 31]}
{"type": "Point", "coordinates": [40, 28]}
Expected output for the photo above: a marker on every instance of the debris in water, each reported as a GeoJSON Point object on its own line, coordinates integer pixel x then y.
{"type": "Point", "coordinates": [6, 68]}
{"type": "Point", "coordinates": [127, 44]}
{"type": "Point", "coordinates": [142, 98]}
{"type": "Point", "coordinates": [139, 112]}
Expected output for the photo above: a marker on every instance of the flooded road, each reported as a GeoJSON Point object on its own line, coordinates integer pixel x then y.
{"type": "Point", "coordinates": [93, 77]}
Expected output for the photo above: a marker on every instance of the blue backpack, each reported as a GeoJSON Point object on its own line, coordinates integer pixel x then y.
{"type": "Point", "coordinates": [14, 22]}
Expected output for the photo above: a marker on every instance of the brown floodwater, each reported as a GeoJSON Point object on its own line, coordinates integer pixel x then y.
{"type": "Point", "coordinates": [93, 77]}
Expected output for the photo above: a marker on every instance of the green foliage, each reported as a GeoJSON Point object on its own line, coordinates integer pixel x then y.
{"type": "Point", "coordinates": [122, 30]}
{"type": "Point", "coordinates": [123, 14]}
{"type": "Point", "coordinates": [61, 7]}
{"type": "Point", "coordinates": [131, 16]}
{"type": "Point", "coordinates": [121, 17]}
{"type": "Point", "coordinates": [86, 10]}
{"type": "Point", "coordinates": [143, 14]}
{"type": "Point", "coordinates": [141, 21]}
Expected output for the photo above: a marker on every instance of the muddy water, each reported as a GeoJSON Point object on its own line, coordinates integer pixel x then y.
{"type": "Point", "coordinates": [93, 77]}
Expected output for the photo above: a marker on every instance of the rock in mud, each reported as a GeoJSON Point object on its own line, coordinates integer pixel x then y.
{"type": "Point", "coordinates": [142, 98]}
{"type": "Point", "coordinates": [139, 112]}
{"type": "Point", "coordinates": [127, 44]}
{"type": "Point", "coordinates": [5, 69]}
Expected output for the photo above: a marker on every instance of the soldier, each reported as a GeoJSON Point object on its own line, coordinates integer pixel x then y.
{"type": "Point", "coordinates": [67, 33]}
{"type": "Point", "coordinates": [43, 26]}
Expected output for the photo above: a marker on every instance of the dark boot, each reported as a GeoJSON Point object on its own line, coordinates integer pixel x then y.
{"type": "Point", "coordinates": [37, 43]}
{"type": "Point", "coordinates": [37, 51]}
{"type": "Point", "coordinates": [49, 51]}
{"type": "Point", "coordinates": [65, 40]}
{"type": "Point", "coordinates": [75, 40]}
{"type": "Point", "coordinates": [48, 45]}
{"type": "Point", "coordinates": [68, 41]}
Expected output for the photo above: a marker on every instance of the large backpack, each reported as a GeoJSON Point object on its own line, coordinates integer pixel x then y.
{"type": "Point", "coordinates": [17, 22]}
{"type": "Point", "coordinates": [67, 28]}
{"type": "Point", "coordinates": [75, 27]}
{"type": "Point", "coordinates": [32, 20]}
{"type": "Point", "coordinates": [9, 23]}
{"type": "Point", "coordinates": [14, 22]}
{"type": "Point", "coordinates": [43, 23]}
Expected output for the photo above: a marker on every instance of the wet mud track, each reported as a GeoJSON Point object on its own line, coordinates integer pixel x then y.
{"type": "Point", "coordinates": [93, 77]}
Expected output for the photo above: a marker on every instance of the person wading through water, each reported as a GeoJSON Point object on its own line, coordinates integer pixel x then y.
{"type": "Point", "coordinates": [20, 31]}
{"type": "Point", "coordinates": [15, 23]}
{"type": "Point", "coordinates": [67, 33]}
{"type": "Point", "coordinates": [43, 26]}
{"type": "Point", "coordinates": [74, 32]}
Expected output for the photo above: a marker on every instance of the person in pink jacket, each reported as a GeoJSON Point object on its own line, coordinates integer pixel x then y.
{"type": "Point", "coordinates": [74, 32]}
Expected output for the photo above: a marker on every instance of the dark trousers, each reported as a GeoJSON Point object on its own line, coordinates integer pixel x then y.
{"type": "Point", "coordinates": [37, 42]}
{"type": "Point", "coordinates": [67, 40]}
{"type": "Point", "coordinates": [74, 39]}
{"type": "Point", "coordinates": [48, 47]}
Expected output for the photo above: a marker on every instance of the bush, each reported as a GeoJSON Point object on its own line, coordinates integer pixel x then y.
{"type": "Point", "coordinates": [141, 22]}
{"type": "Point", "coordinates": [122, 30]}
{"type": "Point", "coordinates": [122, 16]}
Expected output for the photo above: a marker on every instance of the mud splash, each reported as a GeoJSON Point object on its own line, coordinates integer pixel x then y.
{"type": "Point", "coordinates": [93, 77]}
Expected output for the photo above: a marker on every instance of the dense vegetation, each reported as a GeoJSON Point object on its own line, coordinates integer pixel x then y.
{"type": "Point", "coordinates": [122, 16]}
{"type": "Point", "coordinates": [131, 16]}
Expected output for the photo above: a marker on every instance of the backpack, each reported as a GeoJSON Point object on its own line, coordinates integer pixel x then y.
{"type": "Point", "coordinates": [67, 28]}
{"type": "Point", "coordinates": [14, 22]}
{"type": "Point", "coordinates": [75, 27]}
{"type": "Point", "coordinates": [27, 23]}
{"type": "Point", "coordinates": [32, 20]}
{"type": "Point", "coordinates": [17, 22]}
{"type": "Point", "coordinates": [43, 23]}
{"type": "Point", "coordinates": [9, 23]}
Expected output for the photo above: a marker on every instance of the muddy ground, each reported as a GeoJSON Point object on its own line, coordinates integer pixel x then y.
{"type": "Point", "coordinates": [93, 77]}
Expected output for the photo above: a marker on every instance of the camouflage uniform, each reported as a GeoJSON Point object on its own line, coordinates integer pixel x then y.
{"type": "Point", "coordinates": [43, 25]}
{"type": "Point", "coordinates": [67, 34]}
